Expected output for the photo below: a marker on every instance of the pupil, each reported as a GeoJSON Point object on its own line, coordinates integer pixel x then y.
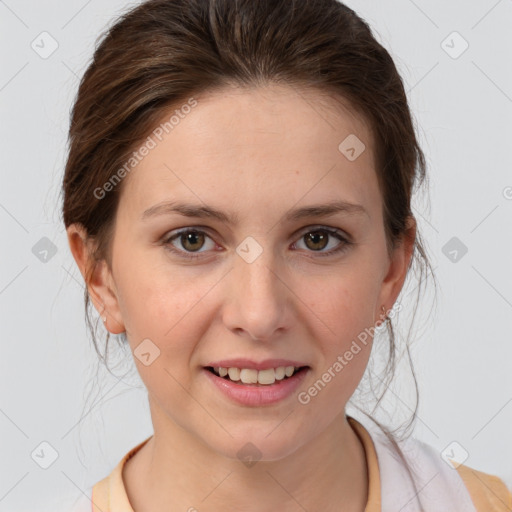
{"type": "Point", "coordinates": [316, 238]}
{"type": "Point", "coordinates": [188, 238]}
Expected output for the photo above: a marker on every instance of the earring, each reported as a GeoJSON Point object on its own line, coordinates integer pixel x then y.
{"type": "Point", "coordinates": [383, 309]}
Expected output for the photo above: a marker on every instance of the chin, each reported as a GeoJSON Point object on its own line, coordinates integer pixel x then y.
{"type": "Point", "coordinates": [255, 444]}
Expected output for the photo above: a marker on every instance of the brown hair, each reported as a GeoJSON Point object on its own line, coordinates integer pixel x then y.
{"type": "Point", "coordinates": [164, 51]}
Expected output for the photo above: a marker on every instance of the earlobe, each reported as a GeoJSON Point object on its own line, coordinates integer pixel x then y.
{"type": "Point", "coordinates": [98, 278]}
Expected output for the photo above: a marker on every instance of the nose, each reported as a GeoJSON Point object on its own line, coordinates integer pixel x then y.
{"type": "Point", "coordinates": [257, 301]}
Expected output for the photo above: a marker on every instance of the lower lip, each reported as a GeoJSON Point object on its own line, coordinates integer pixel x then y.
{"type": "Point", "coordinates": [254, 394]}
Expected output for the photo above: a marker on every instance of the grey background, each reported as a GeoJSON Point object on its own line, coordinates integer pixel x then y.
{"type": "Point", "coordinates": [462, 353]}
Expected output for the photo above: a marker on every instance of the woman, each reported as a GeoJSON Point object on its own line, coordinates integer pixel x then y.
{"type": "Point", "coordinates": [237, 197]}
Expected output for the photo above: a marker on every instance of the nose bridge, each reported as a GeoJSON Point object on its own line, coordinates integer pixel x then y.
{"type": "Point", "coordinates": [256, 267]}
{"type": "Point", "coordinates": [258, 296]}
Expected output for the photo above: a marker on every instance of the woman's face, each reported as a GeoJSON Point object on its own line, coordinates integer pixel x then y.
{"type": "Point", "coordinates": [264, 279]}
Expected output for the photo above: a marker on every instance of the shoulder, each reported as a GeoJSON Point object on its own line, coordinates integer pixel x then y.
{"type": "Point", "coordinates": [479, 491]}
{"type": "Point", "coordinates": [110, 492]}
{"type": "Point", "coordinates": [413, 474]}
{"type": "Point", "coordinates": [488, 492]}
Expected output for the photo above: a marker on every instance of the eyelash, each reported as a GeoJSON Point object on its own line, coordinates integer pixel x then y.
{"type": "Point", "coordinates": [167, 241]}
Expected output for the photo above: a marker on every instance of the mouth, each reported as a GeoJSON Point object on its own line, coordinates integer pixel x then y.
{"type": "Point", "coordinates": [255, 378]}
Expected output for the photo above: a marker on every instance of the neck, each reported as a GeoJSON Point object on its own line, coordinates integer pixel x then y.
{"type": "Point", "coordinates": [176, 471]}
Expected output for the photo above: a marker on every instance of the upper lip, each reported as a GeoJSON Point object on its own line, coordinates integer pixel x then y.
{"type": "Point", "coordinates": [255, 365]}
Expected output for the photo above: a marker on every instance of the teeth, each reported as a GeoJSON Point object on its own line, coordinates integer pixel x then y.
{"type": "Point", "coordinates": [234, 373]}
{"type": "Point", "coordinates": [280, 373]}
{"type": "Point", "coordinates": [251, 376]}
{"type": "Point", "coordinates": [267, 376]}
{"type": "Point", "coordinates": [248, 376]}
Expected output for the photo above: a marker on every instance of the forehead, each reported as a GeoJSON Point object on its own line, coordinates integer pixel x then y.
{"type": "Point", "coordinates": [258, 147]}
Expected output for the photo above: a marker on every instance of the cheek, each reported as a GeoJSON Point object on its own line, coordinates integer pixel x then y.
{"type": "Point", "coordinates": [161, 312]}
{"type": "Point", "coordinates": [343, 303]}
{"type": "Point", "coordinates": [341, 313]}
{"type": "Point", "coordinates": [154, 296]}
{"type": "Point", "coordinates": [169, 307]}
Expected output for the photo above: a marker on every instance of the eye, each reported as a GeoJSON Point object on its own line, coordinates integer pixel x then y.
{"type": "Point", "coordinates": [192, 240]}
{"type": "Point", "coordinates": [318, 239]}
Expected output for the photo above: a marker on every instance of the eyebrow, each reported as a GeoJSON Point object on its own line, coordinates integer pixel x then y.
{"type": "Point", "coordinates": [203, 211]}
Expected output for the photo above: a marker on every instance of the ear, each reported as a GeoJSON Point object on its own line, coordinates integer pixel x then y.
{"type": "Point", "coordinates": [98, 278]}
{"type": "Point", "coordinates": [397, 268]}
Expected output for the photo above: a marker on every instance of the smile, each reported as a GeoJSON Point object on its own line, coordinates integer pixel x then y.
{"type": "Point", "coordinates": [251, 376]}
{"type": "Point", "coordinates": [256, 388]}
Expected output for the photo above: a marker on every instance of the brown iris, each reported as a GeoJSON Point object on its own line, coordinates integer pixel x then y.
{"type": "Point", "coordinates": [192, 238]}
{"type": "Point", "coordinates": [317, 237]}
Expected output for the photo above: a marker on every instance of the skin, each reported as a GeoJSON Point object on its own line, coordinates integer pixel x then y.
{"type": "Point", "coordinates": [256, 153]}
